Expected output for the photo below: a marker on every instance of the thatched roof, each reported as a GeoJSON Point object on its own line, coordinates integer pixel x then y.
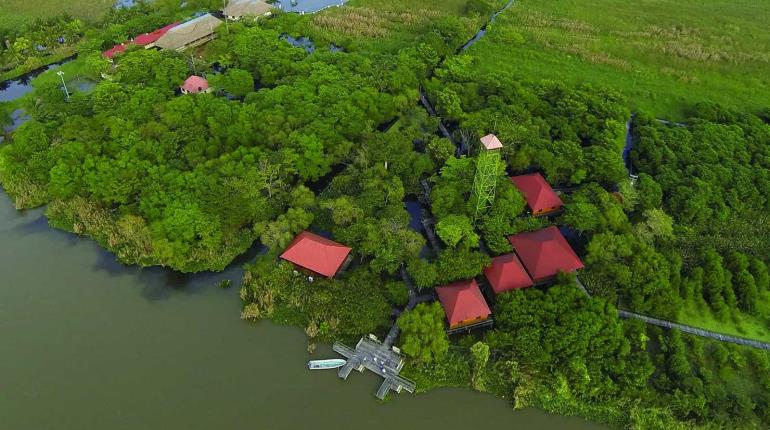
{"type": "Point", "coordinates": [239, 8]}
{"type": "Point", "coordinates": [189, 32]}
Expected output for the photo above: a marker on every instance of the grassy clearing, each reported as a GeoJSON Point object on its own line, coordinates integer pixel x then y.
{"type": "Point", "coordinates": [662, 54]}
{"type": "Point", "coordinates": [740, 324]}
{"type": "Point", "coordinates": [384, 25]}
{"type": "Point", "coordinates": [14, 13]}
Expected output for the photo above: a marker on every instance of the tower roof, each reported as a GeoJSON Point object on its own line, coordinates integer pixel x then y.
{"type": "Point", "coordinates": [538, 194]}
{"type": "Point", "coordinates": [462, 301]}
{"type": "Point", "coordinates": [491, 142]}
{"type": "Point", "coordinates": [316, 253]}
{"type": "Point", "coordinates": [507, 273]}
{"type": "Point", "coordinates": [545, 253]}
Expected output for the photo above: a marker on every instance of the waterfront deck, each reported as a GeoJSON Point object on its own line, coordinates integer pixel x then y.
{"type": "Point", "coordinates": [379, 358]}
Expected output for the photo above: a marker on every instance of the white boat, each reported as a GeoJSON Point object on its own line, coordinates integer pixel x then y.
{"type": "Point", "coordinates": [331, 363]}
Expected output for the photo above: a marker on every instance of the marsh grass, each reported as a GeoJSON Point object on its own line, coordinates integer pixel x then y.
{"type": "Point", "coordinates": [664, 55]}
{"type": "Point", "coordinates": [15, 13]}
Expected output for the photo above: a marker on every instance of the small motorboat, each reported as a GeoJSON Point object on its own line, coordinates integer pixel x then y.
{"type": "Point", "coordinates": [331, 363]}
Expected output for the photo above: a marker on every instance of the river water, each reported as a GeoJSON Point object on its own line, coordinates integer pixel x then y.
{"type": "Point", "coordinates": [88, 343]}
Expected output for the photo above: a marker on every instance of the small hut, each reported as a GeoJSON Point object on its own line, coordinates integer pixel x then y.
{"type": "Point", "coordinates": [506, 273]}
{"type": "Point", "coordinates": [545, 253]}
{"type": "Point", "coordinates": [463, 303]}
{"type": "Point", "coordinates": [194, 85]}
{"type": "Point", "coordinates": [317, 254]}
{"type": "Point", "coordinates": [539, 195]}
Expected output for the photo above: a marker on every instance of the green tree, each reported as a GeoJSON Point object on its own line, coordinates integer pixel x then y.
{"type": "Point", "coordinates": [457, 230]}
{"type": "Point", "coordinates": [422, 333]}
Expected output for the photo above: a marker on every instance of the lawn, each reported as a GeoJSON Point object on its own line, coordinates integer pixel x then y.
{"type": "Point", "coordinates": [14, 13]}
{"type": "Point", "coordinates": [663, 55]}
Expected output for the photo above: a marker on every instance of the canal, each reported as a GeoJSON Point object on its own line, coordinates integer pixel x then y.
{"type": "Point", "coordinates": [89, 343]}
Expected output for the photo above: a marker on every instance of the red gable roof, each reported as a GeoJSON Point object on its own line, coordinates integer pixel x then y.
{"type": "Point", "coordinates": [114, 50]}
{"type": "Point", "coordinates": [316, 253]}
{"type": "Point", "coordinates": [539, 195]}
{"type": "Point", "coordinates": [195, 84]}
{"type": "Point", "coordinates": [545, 253]}
{"type": "Point", "coordinates": [141, 40]}
{"type": "Point", "coordinates": [147, 38]}
{"type": "Point", "coordinates": [507, 273]}
{"type": "Point", "coordinates": [462, 301]}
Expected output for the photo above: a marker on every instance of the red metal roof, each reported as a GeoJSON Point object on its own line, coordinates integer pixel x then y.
{"type": "Point", "coordinates": [114, 50]}
{"type": "Point", "coordinates": [148, 38]}
{"type": "Point", "coordinates": [507, 273]}
{"type": "Point", "coordinates": [195, 84]}
{"type": "Point", "coordinates": [316, 253]}
{"type": "Point", "coordinates": [141, 40]}
{"type": "Point", "coordinates": [462, 301]}
{"type": "Point", "coordinates": [545, 253]}
{"type": "Point", "coordinates": [537, 192]}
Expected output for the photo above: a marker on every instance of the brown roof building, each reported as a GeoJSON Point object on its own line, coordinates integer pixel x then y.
{"type": "Point", "coordinates": [237, 9]}
{"type": "Point", "coordinates": [189, 34]}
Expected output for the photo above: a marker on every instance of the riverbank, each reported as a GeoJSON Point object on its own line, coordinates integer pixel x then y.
{"type": "Point", "coordinates": [103, 345]}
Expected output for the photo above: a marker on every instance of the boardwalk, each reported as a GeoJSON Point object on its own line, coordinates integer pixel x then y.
{"type": "Point", "coordinates": [379, 358]}
{"type": "Point", "coordinates": [432, 112]}
{"type": "Point", "coordinates": [696, 331]}
{"type": "Point", "coordinates": [683, 327]}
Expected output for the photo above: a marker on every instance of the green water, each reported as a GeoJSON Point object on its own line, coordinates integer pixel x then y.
{"type": "Point", "coordinates": [86, 343]}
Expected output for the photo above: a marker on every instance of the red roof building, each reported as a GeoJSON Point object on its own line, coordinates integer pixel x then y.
{"type": "Point", "coordinates": [148, 39]}
{"type": "Point", "coordinates": [317, 254]}
{"type": "Point", "coordinates": [195, 84]}
{"type": "Point", "coordinates": [540, 197]}
{"type": "Point", "coordinates": [545, 253]}
{"type": "Point", "coordinates": [463, 303]}
{"type": "Point", "coordinates": [507, 273]}
{"type": "Point", "coordinates": [114, 51]}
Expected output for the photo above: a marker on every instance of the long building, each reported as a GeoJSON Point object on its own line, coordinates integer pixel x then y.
{"type": "Point", "coordinates": [238, 9]}
{"type": "Point", "coordinates": [190, 34]}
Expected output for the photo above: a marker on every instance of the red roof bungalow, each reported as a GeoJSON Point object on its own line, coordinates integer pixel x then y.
{"type": "Point", "coordinates": [148, 39]}
{"type": "Point", "coordinates": [507, 273]}
{"type": "Point", "coordinates": [317, 254]}
{"type": "Point", "coordinates": [540, 197]}
{"type": "Point", "coordinates": [545, 253]}
{"type": "Point", "coordinates": [114, 51]}
{"type": "Point", "coordinates": [195, 84]}
{"type": "Point", "coordinates": [463, 303]}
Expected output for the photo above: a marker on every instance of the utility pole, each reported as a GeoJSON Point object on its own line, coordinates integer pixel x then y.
{"type": "Point", "coordinates": [224, 6]}
{"type": "Point", "coordinates": [487, 171]}
{"type": "Point", "coordinates": [61, 75]}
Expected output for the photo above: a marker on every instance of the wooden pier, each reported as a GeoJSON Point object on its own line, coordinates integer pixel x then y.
{"type": "Point", "coordinates": [378, 357]}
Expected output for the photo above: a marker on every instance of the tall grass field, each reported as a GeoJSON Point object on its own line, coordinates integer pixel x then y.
{"type": "Point", "coordinates": [662, 54]}
{"type": "Point", "coordinates": [14, 13]}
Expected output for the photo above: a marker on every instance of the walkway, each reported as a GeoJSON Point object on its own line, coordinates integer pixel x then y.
{"type": "Point", "coordinates": [683, 327]}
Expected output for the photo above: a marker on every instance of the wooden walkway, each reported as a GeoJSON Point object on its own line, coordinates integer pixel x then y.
{"type": "Point", "coordinates": [683, 327]}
